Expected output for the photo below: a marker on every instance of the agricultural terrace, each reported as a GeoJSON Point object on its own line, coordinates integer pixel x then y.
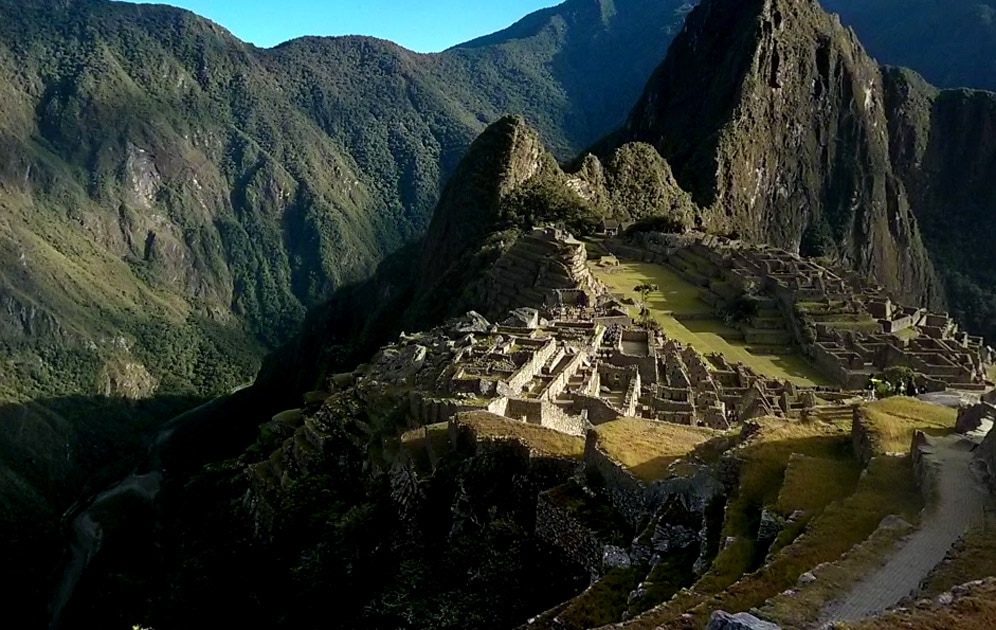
{"type": "Point", "coordinates": [648, 448]}
{"type": "Point", "coordinates": [790, 469]}
{"type": "Point", "coordinates": [541, 440]}
{"type": "Point", "coordinates": [685, 318]}
{"type": "Point", "coordinates": [891, 422]}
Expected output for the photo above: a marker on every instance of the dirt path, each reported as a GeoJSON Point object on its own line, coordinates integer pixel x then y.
{"type": "Point", "coordinates": [960, 505]}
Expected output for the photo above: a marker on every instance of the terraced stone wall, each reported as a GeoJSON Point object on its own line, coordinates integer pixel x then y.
{"type": "Point", "coordinates": [561, 529]}
{"type": "Point", "coordinates": [623, 489]}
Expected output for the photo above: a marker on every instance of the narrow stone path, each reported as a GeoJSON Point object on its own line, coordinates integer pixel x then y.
{"type": "Point", "coordinates": [960, 506]}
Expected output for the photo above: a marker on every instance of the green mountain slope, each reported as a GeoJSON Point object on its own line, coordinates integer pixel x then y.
{"type": "Point", "coordinates": [173, 200]}
{"type": "Point", "coordinates": [159, 174]}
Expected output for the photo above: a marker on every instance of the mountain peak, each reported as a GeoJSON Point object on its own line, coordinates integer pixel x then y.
{"type": "Point", "coordinates": [771, 115]}
{"type": "Point", "coordinates": [503, 157]}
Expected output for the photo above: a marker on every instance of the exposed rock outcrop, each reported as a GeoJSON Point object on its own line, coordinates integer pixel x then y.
{"type": "Point", "coordinates": [943, 148]}
{"type": "Point", "coordinates": [741, 621]}
{"type": "Point", "coordinates": [773, 118]}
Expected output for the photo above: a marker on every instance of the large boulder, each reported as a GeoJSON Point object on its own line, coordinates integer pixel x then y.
{"type": "Point", "coordinates": [741, 621]}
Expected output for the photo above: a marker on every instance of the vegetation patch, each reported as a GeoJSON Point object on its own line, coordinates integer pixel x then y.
{"type": "Point", "coordinates": [887, 488]}
{"type": "Point", "coordinates": [891, 422]}
{"type": "Point", "coordinates": [596, 515]}
{"type": "Point", "coordinates": [812, 483]}
{"type": "Point", "coordinates": [419, 443]}
{"type": "Point", "coordinates": [677, 308]}
{"type": "Point", "coordinates": [802, 606]}
{"type": "Point", "coordinates": [603, 603]}
{"type": "Point", "coordinates": [972, 607]}
{"type": "Point", "coordinates": [972, 558]}
{"type": "Point", "coordinates": [648, 448]}
{"type": "Point", "coordinates": [738, 578]}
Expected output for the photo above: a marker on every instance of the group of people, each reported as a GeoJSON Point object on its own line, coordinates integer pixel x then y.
{"type": "Point", "coordinates": [882, 388]}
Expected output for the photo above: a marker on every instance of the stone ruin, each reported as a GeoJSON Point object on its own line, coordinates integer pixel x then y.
{"type": "Point", "coordinates": [845, 325]}
{"type": "Point", "coordinates": [548, 265]}
{"type": "Point", "coordinates": [571, 359]}
{"type": "Point", "coordinates": [564, 370]}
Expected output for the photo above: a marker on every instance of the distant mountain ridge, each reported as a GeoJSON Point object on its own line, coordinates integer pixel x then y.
{"type": "Point", "coordinates": [173, 200]}
{"type": "Point", "coordinates": [221, 187]}
{"type": "Point", "coordinates": [952, 43]}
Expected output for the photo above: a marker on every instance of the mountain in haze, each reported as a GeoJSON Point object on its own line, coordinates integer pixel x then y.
{"type": "Point", "coordinates": [952, 44]}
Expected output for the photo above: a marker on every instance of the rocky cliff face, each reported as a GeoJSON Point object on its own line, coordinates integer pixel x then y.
{"type": "Point", "coordinates": [943, 146]}
{"type": "Point", "coordinates": [773, 117]}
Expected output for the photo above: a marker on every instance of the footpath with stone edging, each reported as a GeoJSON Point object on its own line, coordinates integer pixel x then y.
{"type": "Point", "coordinates": [960, 506]}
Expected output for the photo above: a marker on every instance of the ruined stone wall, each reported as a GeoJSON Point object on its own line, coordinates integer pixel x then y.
{"type": "Point", "coordinates": [647, 366]}
{"type": "Point", "coordinates": [623, 489]}
{"type": "Point", "coordinates": [923, 469]}
{"type": "Point", "coordinates": [528, 371]}
{"type": "Point", "coordinates": [986, 454]}
{"type": "Point", "coordinates": [544, 471]}
{"type": "Point", "coordinates": [554, 417]}
{"type": "Point", "coordinates": [598, 411]}
{"type": "Point", "coordinates": [425, 409]}
{"type": "Point", "coordinates": [559, 528]}
{"type": "Point", "coordinates": [633, 395]}
{"type": "Point", "coordinates": [498, 406]}
{"type": "Point", "coordinates": [832, 367]}
{"type": "Point", "coordinates": [547, 472]}
{"type": "Point", "coordinates": [860, 440]}
{"type": "Point", "coordinates": [530, 411]}
{"type": "Point", "coordinates": [547, 414]}
{"type": "Point", "coordinates": [559, 383]}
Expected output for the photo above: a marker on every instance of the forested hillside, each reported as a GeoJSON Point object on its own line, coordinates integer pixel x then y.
{"type": "Point", "coordinates": [173, 200]}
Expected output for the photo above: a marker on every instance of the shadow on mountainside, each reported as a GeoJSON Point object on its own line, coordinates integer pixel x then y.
{"type": "Point", "coordinates": [56, 454]}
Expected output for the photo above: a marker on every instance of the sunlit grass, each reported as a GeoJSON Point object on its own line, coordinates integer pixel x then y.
{"type": "Point", "coordinates": [972, 558]}
{"type": "Point", "coordinates": [678, 299]}
{"type": "Point", "coordinates": [648, 448]}
{"type": "Point", "coordinates": [540, 439]}
{"type": "Point", "coordinates": [887, 488]}
{"type": "Point", "coordinates": [891, 422]}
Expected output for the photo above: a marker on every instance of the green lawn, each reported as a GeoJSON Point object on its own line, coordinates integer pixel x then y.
{"type": "Point", "coordinates": [678, 297]}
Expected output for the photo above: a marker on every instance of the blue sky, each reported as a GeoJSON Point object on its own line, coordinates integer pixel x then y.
{"type": "Point", "coordinates": [421, 25]}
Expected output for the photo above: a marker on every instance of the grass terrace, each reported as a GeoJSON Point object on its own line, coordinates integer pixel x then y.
{"type": "Point", "coordinates": [648, 448]}
{"type": "Point", "coordinates": [973, 558]}
{"type": "Point", "coordinates": [604, 602]}
{"type": "Point", "coordinates": [419, 442]}
{"type": "Point", "coordinates": [685, 318]}
{"type": "Point", "coordinates": [887, 488]}
{"type": "Point", "coordinates": [540, 439]}
{"type": "Point", "coordinates": [788, 467]}
{"type": "Point", "coordinates": [891, 422]}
